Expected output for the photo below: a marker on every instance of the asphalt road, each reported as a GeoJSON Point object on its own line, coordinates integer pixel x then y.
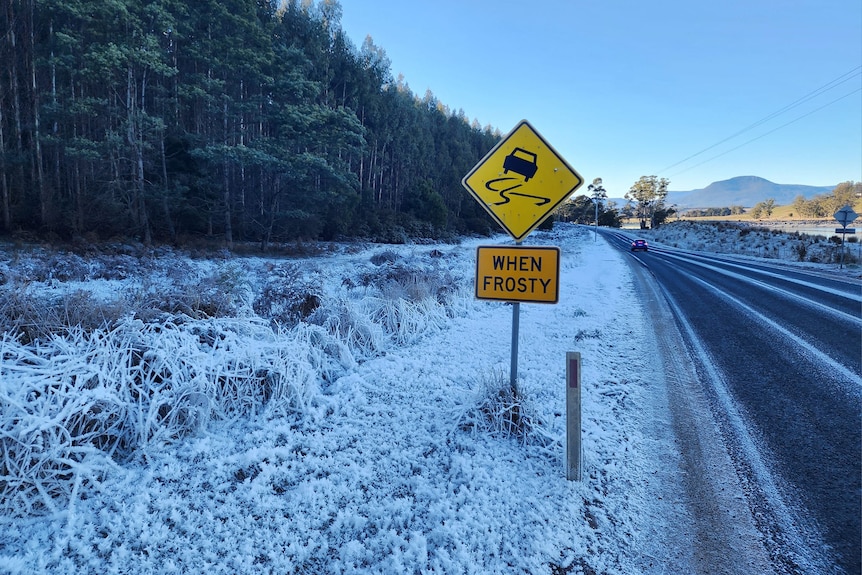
{"type": "Point", "coordinates": [779, 351]}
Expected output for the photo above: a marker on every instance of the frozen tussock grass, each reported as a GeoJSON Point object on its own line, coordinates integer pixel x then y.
{"type": "Point", "coordinates": [404, 321]}
{"type": "Point", "coordinates": [72, 407]}
{"type": "Point", "coordinates": [210, 341]}
{"type": "Point", "coordinates": [396, 303]}
{"type": "Point", "coordinates": [503, 410]}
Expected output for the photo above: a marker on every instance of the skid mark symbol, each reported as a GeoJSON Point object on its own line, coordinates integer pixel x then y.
{"type": "Point", "coordinates": [506, 192]}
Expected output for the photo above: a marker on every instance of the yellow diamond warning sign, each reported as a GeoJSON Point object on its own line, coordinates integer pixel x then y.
{"type": "Point", "coordinates": [521, 181]}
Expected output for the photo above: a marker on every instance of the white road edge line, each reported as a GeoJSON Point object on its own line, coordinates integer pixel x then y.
{"type": "Point", "coordinates": [801, 343]}
{"type": "Point", "coordinates": [786, 293]}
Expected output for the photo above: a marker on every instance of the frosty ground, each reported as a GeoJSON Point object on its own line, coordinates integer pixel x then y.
{"type": "Point", "coordinates": [238, 425]}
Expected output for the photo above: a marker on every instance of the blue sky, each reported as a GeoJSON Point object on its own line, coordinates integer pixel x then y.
{"type": "Point", "coordinates": [626, 88]}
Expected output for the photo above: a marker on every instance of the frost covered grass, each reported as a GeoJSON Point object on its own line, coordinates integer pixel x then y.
{"type": "Point", "coordinates": [75, 406]}
{"type": "Point", "coordinates": [348, 412]}
{"type": "Point", "coordinates": [81, 395]}
{"type": "Point", "coordinates": [501, 409]}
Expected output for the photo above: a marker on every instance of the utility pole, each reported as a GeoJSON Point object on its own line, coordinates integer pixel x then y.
{"type": "Point", "coordinates": [598, 194]}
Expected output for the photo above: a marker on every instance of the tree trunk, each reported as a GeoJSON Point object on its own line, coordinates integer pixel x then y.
{"type": "Point", "coordinates": [44, 201]}
{"type": "Point", "coordinates": [228, 226]}
{"type": "Point", "coordinates": [79, 197]}
{"type": "Point", "coordinates": [76, 184]}
{"type": "Point", "coordinates": [134, 137]}
{"type": "Point", "coordinates": [16, 93]}
{"type": "Point", "coordinates": [5, 207]}
{"type": "Point", "coordinates": [165, 186]}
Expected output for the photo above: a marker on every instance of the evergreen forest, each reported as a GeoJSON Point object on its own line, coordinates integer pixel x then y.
{"type": "Point", "coordinates": [230, 120]}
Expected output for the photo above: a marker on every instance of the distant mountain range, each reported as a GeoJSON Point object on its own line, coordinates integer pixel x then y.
{"type": "Point", "coordinates": [743, 191]}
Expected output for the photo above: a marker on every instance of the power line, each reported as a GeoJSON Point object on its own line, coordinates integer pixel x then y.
{"type": "Point", "coordinates": [764, 134]}
{"type": "Point", "coordinates": [847, 76]}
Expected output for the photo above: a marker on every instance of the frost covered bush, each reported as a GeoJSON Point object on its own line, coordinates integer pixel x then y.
{"type": "Point", "coordinates": [22, 314]}
{"type": "Point", "coordinates": [397, 302]}
{"type": "Point", "coordinates": [224, 292]}
{"type": "Point", "coordinates": [385, 256]}
{"type": "Point", "coordinates": [405, 320]}
{"type": "Point", "coordinates": [77, 404]}
{"type": "Point", "coordinates": [115, 267]}
{"type": "Point", "coordinates": [414, 279]}
{"type": "Point", "coordinates": [347, 323]}
{"type": "Point", "coordinates": [288, 294]}
{"type": "Point", "coordinates": [30, 314]}
{"type": "Point", "coordinates": [371, 325]}
{"type": "Point", "coordinates": [499, 408]}
{"type": "Point", "coordinates": [37, 264]}
{"type": "Point", "coordinates": [746, 239]}
{"type": "Point", "coordinates": [65, 267]}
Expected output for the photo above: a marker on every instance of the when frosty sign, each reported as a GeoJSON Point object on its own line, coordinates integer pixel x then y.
{"type": "Point", "coordinates": [518, 273]}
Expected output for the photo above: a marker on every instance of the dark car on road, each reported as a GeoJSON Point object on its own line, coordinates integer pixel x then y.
{"type": "Point", "coordinates": [640, 245]}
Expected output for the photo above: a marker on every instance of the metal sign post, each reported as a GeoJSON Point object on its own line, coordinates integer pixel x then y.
{"type": "Point", "coordinates": [516, 324]}
{"type": "Point", "coordinates": [514, 275]}
{"type": "Point", "coordinates": [513, 366]}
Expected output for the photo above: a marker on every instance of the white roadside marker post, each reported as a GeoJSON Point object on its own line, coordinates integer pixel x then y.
{"type": "Point", "coordinates": [573, 416]}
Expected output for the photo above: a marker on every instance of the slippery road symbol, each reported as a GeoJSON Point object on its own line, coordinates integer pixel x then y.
{"type": "Point", "coordinates": [523, 163]}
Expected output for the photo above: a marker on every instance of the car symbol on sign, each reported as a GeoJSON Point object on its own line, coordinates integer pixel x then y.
{"type": "Point", "coordinates": [521, 162]}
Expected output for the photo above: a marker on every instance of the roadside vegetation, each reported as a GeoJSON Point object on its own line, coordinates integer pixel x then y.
{"type": "Point", "coordinates": [330, 413]}
{"type": "Point", "coordinates": [106, 358]}
{"type": "Point", "coordinates": [744, 238]}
